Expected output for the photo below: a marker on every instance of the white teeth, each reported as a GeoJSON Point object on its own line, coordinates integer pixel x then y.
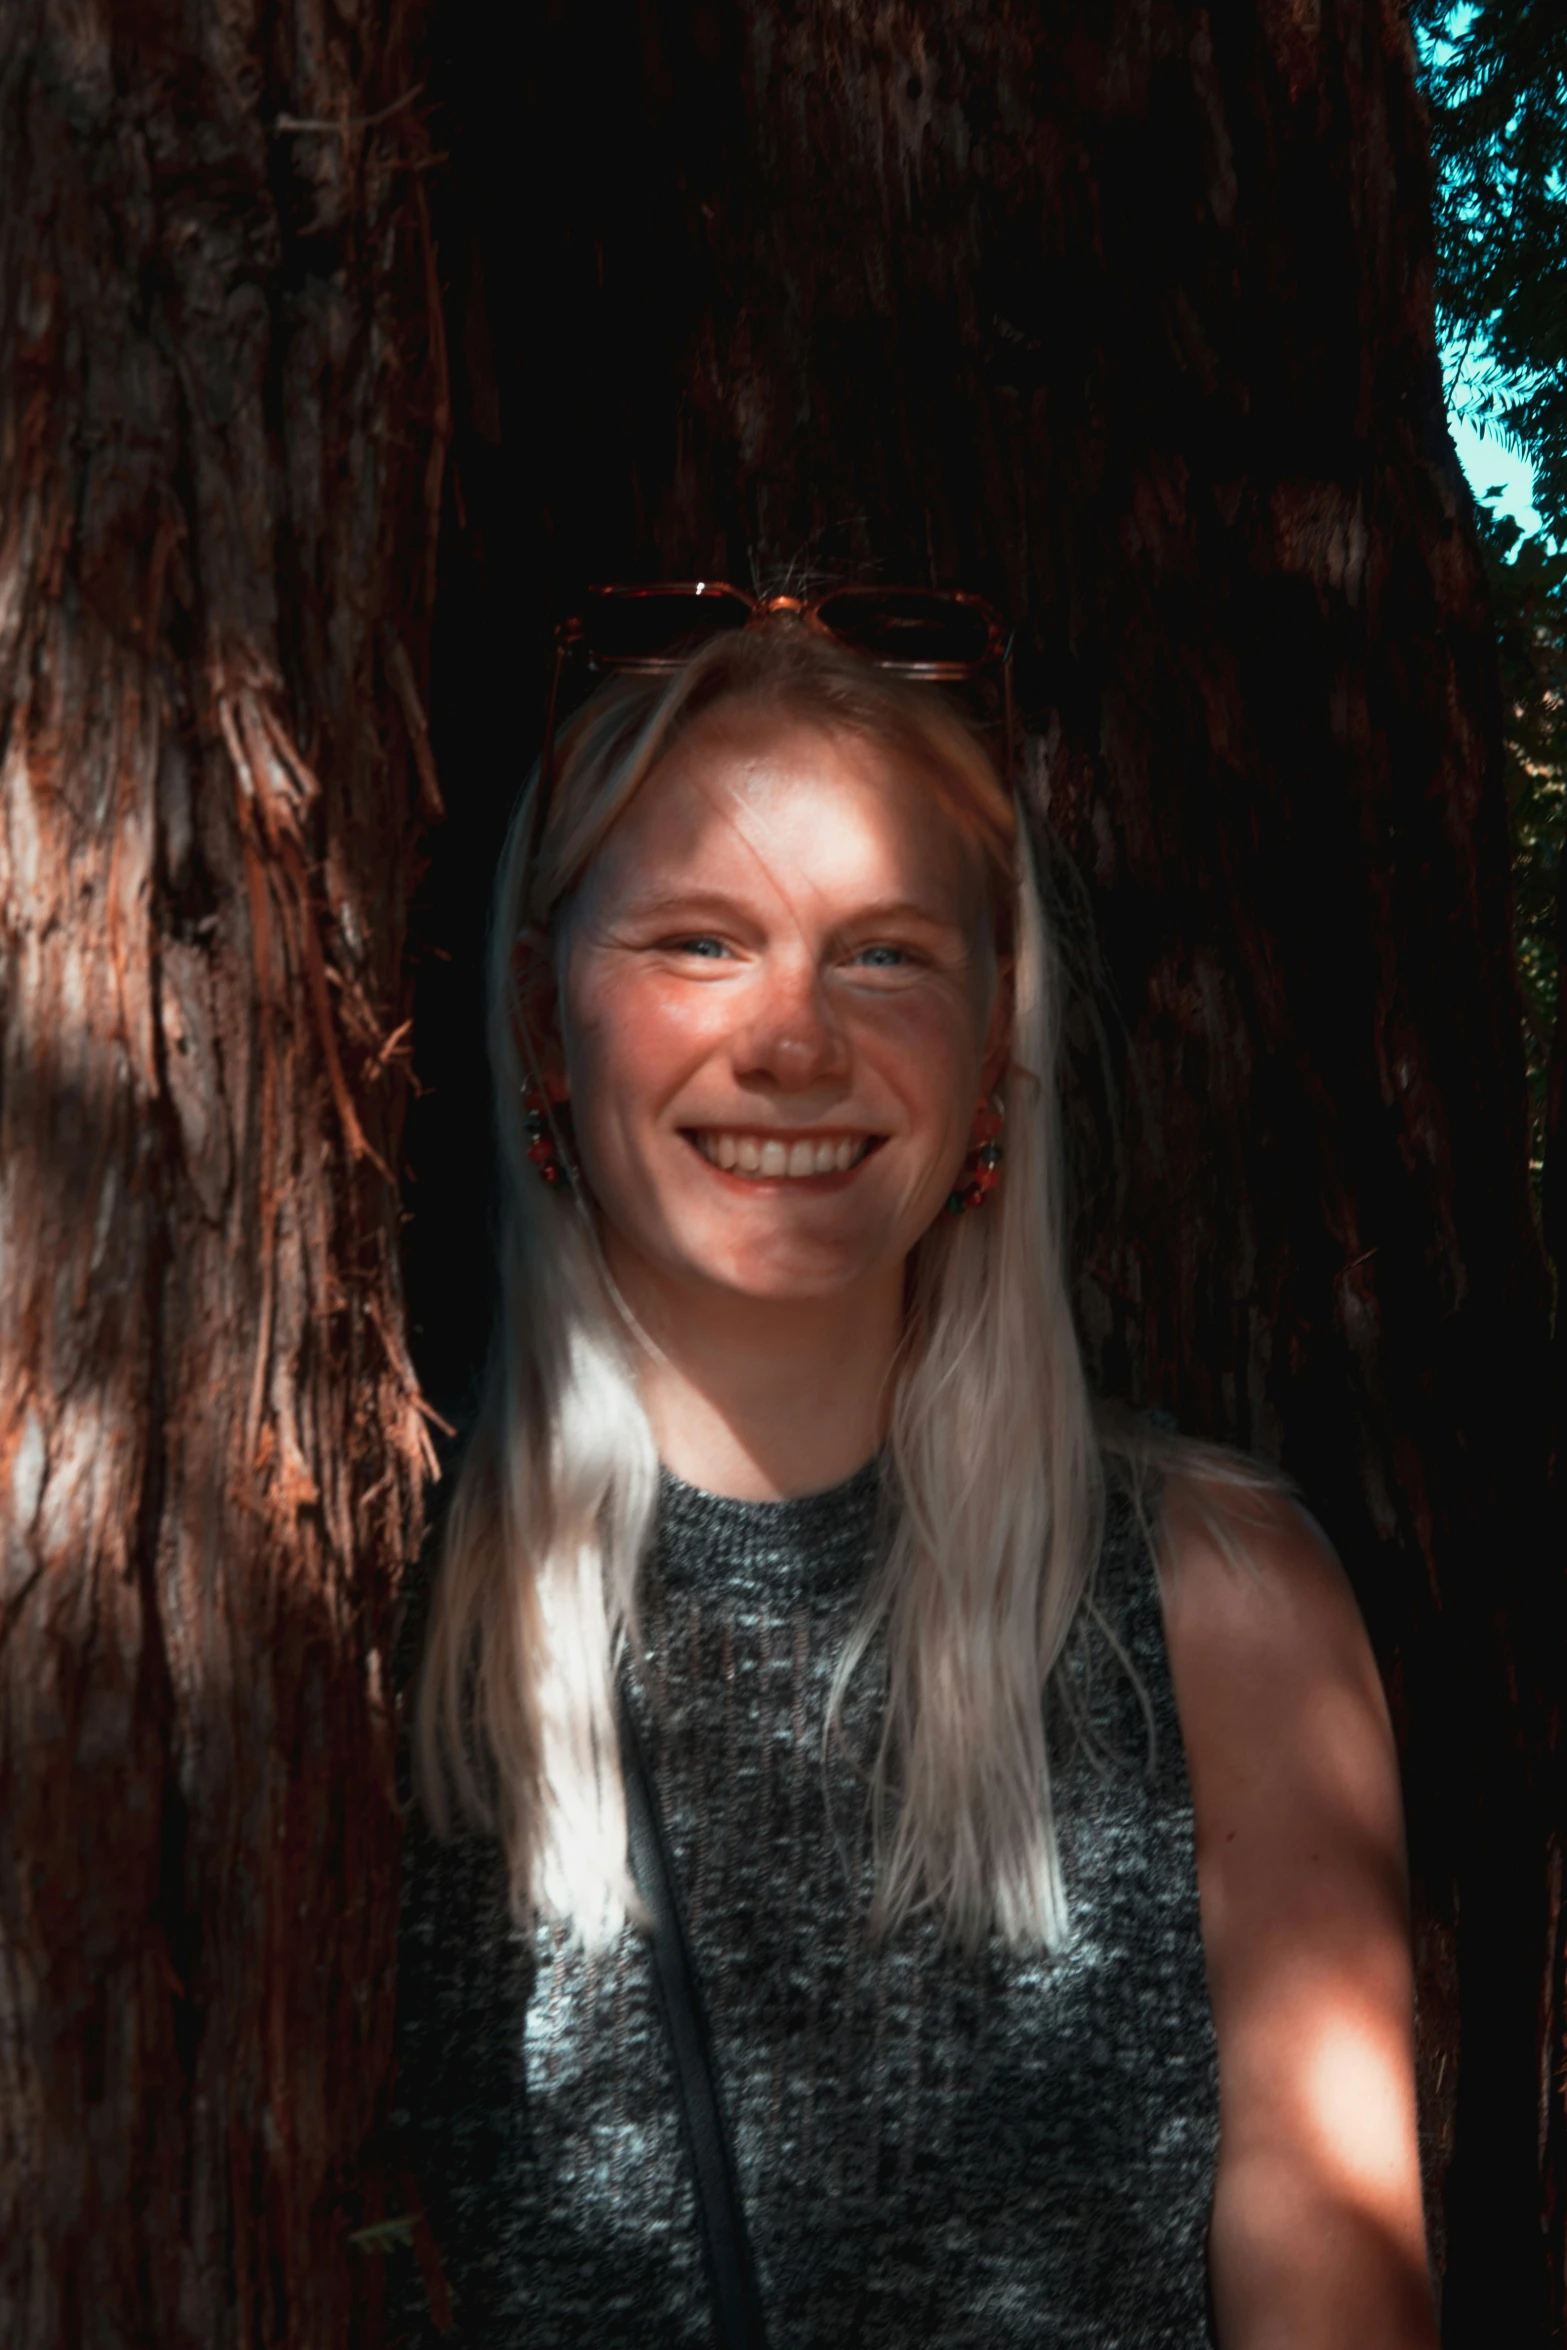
{"type": "Point", "coordinates": [749, 1154]}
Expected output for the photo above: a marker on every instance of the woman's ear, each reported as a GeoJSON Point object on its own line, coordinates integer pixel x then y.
{"type": "Point", "coordinates": [535, 1011]}
{"type": "Point", "coordinates": [998, 1030]}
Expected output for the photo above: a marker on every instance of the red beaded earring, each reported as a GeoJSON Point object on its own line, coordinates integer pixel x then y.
{"type": "Point", "coordinates": [977, 1179]}
{"type": "Point", "coordinates": [543, 1123]}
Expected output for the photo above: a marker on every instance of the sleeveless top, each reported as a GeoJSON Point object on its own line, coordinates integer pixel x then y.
{"type": "Point", "coordinates": [933, 2146]}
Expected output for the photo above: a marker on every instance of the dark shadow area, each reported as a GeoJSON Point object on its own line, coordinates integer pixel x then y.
{"type": "Point", "coordinates": [486, 702]}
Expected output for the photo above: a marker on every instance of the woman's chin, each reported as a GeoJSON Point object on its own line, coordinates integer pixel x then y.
{"type": "Point", "coordinates": [794, 1281]}
{"type": "Point", "coordinates": [783, 1269]}
{"type": "Point", "coordinates": [767, 1246]}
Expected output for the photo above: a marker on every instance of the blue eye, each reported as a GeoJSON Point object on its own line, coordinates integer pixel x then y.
{"type": "Point", "coordinates": [710, 948]}
{"type": "Point", "coordinates": [882, 958]}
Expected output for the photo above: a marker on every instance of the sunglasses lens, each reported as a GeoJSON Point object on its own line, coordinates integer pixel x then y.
{"type": "Point", "coordinates": [908, 626]}
{"type": "Point", "coordinates": [627, 628]}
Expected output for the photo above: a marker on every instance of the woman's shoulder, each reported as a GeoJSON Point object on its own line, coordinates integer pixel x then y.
{"type": "Point", "coordinates": [1252, 1594]}
{"type": "Point", "coordinates": [1259, 1614]}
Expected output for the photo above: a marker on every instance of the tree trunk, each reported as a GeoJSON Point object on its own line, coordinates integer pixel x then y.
{"type": "Point", "coordinates": [1123, 317]}
{"type": "Point", "coordinates": [221, 431]}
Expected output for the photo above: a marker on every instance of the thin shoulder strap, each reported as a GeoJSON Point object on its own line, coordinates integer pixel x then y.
{"type": "Point", "coordinates": [737, 2305]}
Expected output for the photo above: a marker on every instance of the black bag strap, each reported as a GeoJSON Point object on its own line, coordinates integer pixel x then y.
{"type": "Point", "coordinates": [737, 2305]}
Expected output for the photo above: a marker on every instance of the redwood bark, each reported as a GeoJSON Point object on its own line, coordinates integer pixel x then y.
{"type": "Point", "coordinates": [1123, 316]}
{"type": "Point", "coordinates": [221, 435]}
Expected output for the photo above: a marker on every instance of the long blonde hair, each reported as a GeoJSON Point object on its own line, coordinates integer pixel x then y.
{"type": "Point", "coordinates": [992, 1448]}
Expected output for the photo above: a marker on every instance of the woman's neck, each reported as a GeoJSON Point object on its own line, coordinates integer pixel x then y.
{"type": "Point", "coordinates": [761, 1399]}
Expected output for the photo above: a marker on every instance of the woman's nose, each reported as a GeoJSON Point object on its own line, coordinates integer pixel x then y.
{"type": "Point", "coordinates": [793, 1039]}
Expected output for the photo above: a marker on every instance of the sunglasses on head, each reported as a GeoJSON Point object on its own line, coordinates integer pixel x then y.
{"type": "Point", "coordinates": [930, 635]}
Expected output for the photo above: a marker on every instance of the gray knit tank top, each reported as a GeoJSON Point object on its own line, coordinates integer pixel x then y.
{"type": "Point", "coordinates": [934, 2147]}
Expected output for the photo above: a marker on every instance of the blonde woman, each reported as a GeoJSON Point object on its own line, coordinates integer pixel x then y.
{"type": "Point", "coordinates": [897, 1864]}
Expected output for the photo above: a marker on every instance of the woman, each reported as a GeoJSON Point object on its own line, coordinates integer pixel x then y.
{"type": "Point", "coordinates": [1046, 1903]}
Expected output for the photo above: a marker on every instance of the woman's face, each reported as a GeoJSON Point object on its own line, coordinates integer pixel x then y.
{"type": "Point", "coordinates": [780, 1005]}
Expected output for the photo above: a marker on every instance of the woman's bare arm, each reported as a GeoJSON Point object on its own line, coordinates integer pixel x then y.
{"type": "Point", "coordinates": [1318, 2239]}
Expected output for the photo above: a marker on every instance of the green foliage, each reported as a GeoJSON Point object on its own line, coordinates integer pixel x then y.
{"type": "Point", "coordinates": [1529, 595]}
{"type": "Point", "coordinates": [1495, 78]}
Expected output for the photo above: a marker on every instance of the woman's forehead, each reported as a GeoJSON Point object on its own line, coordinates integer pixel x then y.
{"type": "Point", "coordinates": [793, 801]}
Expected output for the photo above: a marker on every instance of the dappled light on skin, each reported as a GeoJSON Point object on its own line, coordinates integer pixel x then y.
{"type": "Point", "coordinates": [780, 941]}
{"type": "Point", "coordinates": [1354, 2093]}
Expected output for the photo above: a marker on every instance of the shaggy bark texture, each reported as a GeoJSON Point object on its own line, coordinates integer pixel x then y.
{"type": "Point", "coordinates": [1123, 316]}
{"type": "Point", "coordinates": [222, 425]}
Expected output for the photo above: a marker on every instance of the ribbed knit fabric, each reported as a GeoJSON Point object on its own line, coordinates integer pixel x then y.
{"type": "Point", "coordinates": [933, 2147]}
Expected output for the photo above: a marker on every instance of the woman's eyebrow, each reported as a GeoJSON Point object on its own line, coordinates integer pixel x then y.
{"type": "Point", "coordinates": [647, 905]}
{"type": "Point", "coordinates": [901, 910]}
{"type": "Point", "coordinates": [687, 904]}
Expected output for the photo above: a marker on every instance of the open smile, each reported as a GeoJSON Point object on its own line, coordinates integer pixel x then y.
{"type": "Point", "coordinates": [762, 1157]}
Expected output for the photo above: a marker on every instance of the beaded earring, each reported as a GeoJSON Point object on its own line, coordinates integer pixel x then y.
{"type": "Point", "coordinates": [977, 1179]}
{"type": "Point", "coordinates": [542, 1123]}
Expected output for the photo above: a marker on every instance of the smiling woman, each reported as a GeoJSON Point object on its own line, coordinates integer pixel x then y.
{"type": "Point", "coordinates": [1053, 1960]}
{"type": "Point", "coordinates": [780, 1000]}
